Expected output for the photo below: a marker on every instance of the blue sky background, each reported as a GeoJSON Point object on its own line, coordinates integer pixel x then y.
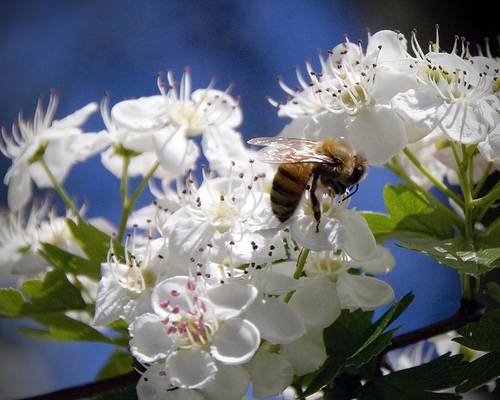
{"type": "Point", "coordinates": [85, 48]}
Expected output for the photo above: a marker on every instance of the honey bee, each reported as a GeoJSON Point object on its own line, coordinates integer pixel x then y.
{"type": "Point", "coordinates": [330, 162]}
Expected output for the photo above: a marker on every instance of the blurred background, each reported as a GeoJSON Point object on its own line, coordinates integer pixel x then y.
{"type": "Point", "coordinates": [85, 48]}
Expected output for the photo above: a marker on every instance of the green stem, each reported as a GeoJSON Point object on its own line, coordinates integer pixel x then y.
{"type": "Point", "coordinates": [435, 181]}
{"type": "Point", "coordinates": [481, 183]}
{"type": "Point", "coordinates": [301, 261]}
{"type": "Point", "coordinates": [59, 188]}
{"type": "Point", "coordinates": [127, 203]}
{"type": "Point", "coordinates": [465, 166]}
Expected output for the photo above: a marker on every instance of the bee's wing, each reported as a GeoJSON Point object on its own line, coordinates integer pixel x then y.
{"type": "Point", "coordinates": [288, 150]}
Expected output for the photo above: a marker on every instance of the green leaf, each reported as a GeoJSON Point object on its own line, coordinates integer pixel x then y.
{"type": "Point", "coordinates": [70, 262]}
{"type": "Point", "coordinates": [418, 383]}
{"type": "Point", "coordinates": [458, 253]}
{"type": "Point", "coordinates": [493, 290]}
{"type": "Point", "coordinates": [14, 304]}
{"type": "Point", "coordinates": [54, 294]}
{"type": "Point", "coordinates": [93, 242]}
{"type": "Point", "coordinates": [480, 372]}
{"type": "Point", "coordinates": [410, 216]}
{"type": "Point", "coordinates": [352, 341]}
{"type": "Point", "coordinates": [119, 363]}
{"type": "Point", "coordinates": [483, 335]}
{"type": "Point", "coordinates": [64, 329]}
{"type": "Point", "coordinates": [383, 322]}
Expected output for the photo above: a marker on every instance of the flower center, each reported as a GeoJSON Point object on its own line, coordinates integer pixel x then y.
{"type": "Point", "coordinates": [189, 321]}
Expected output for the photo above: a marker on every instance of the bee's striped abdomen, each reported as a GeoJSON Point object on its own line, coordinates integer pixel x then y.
{"type": "Point", "coordinates": [288, 186]}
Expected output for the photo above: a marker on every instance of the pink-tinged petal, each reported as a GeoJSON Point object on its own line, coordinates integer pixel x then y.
{"type": "Point", "coordinates": [377, 133]}
{"type": "Point", "coordinates": [277, 321]}
{"type": "Point", "coordinates": [171, 291]}
{"type": "Point", "coordinates": [462, 123]}
{"type": "Point", "coordinates": [316, 302]}
{"type": "Point", "coordinates": [235, 342]}
{"type": "Point", "coordinates": [271, 374]}
{"type": "Point", "coordinates": [306, 354]}
{"type": "Point", "coordinates": [361, 291]}
{"type": "Point", "coordinates": [143, 114]}
{"type": "Point", "coordinates": [149, 341]}
{"type": "Point", "coordinates": [190, 369]}
{"type": "Point", "coordinates": [174, 151]}
{"type": "Point", "coordinates": [231, 299]}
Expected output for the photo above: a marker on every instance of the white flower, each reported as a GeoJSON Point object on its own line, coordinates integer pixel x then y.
{"type": "Point", "coordinates": [354, 290]}
{"type": "Point", "coordinates": [212, 222]}
{"type": "Point", "coordinates": [175, 115]}
{"type": "Point", "coordinates": [193, 328]}
{"type": "Point", "coordinates": [350, 98]}
{"type": "Point", "coordinates": [128, 281]}
{"type": "Point", "coordinates": [339, 228]}
{"type": "Point", "coordinates": [19, 240]}
{"type": "Point", "coordinates": [453, 94]}
{"type": "Point", "coordinates": [61, 142]}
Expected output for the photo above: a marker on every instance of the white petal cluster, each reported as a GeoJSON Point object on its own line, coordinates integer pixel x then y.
{"type": "Point", "coordinates": [381, 99]}
{"type": "Point", "coordinates": [61, 141]}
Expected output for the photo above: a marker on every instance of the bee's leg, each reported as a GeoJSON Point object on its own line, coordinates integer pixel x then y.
{"type": "Point", "coordinates": [314, 199]}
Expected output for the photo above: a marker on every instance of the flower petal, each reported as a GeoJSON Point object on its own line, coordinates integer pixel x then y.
{"type": "Point", "coordinates": [361, 291]}
{"type": "Point", "coordinates": [231, 299]}
{"type": "Point", "coordinates": [140, 114]}
{"type": "Point", "coordinates": [190, 369]}
{"type": "Point", "coordinates": [462, 123]}
{"type": "Point", "coordinates": [149, 341]}
{"type": "Point", "coordinates": [377, 133]}
{"type": "Point", "coordinates": [271, 374]}
{"type": "Point", "coordinates": [236, 342]}
{"type": "Point", "coordinates": [174, 151]}
{"type": "Point", "coordinates": [231, 382]}
{"type": "Point", "coordinates": [307, 353]}
{"type": "Point", "coordinates": [316, 302]}
{"type": "Point", "coordinates": [360, 244]}
{"type": "Point", "coordinates": [331, 234]}
{"type": "Point", "coordinates": [277, 321]}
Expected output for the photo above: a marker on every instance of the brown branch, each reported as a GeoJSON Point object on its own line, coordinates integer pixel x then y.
{"type": "Point", "coordinates": [91, 389]}
{"type": "Point", "coordinates": [469, 311]}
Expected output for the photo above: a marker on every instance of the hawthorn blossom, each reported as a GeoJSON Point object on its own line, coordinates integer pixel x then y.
{"type": "Point", "coordinates": [127, 281]}
{"type": "Point", "coordinates": [19, 239]}
{"type": "Point", "coordinates": [352, 94]}
{"type": "Point", "coordinates": [195, 329]}
{"type": "Point", "coordinates": [61, 143]}
{"type": "Point", "coordinates": [213, 221]}
{"type": "Point", "coordinates": [453, 94]}
{"type": "Point", "coordinates": [177, 114]}
{"type": "Point", "coordinates": [354, 290]}
{"type": "Point", "coordinates": [338, 228]}
{"type": "Point", "coordinates": [136, 146]}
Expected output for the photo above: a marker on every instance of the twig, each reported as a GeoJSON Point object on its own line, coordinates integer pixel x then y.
{"type": "Point", "coordinates": [91, 389]}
